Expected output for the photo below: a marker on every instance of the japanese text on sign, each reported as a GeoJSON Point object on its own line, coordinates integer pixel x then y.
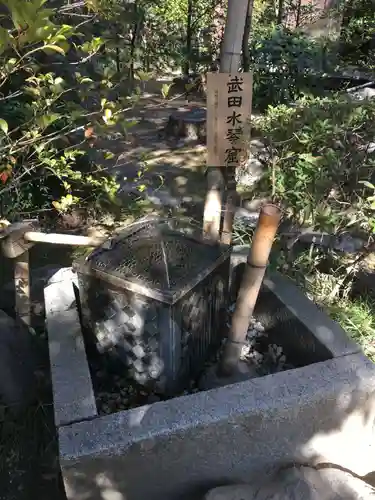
{"type": "Point", "coordinates": [229, 99]}
{"type": "Point", "coordinates": [234, 120]}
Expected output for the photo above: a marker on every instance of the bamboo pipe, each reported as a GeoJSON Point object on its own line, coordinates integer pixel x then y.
{"type": "Point", "coordinates": [63, 239]}
{"type": "Point", "coordinates": [252, 279]}
{"type": "Point", "coordinates": [21, 265]}
{"type": "Point", "coordinates": [230, 59]}
{"type": "Point", "coordinates": [230, 207]}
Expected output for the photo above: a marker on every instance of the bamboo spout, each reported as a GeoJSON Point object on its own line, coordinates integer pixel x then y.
{"type": "Point", "coordinates": [257, 260]}
{"type": "Point", "coordinates": [64, 239]}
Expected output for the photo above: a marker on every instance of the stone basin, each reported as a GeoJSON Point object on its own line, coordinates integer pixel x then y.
{"type": "Point", "coordinates": [321, 411]}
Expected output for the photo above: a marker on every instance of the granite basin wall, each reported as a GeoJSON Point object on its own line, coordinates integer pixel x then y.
{"type": "Point", "coordinates": [178, 449]}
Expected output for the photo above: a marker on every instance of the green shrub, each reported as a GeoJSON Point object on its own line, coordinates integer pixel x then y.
{"type": "Point", "coordinates": [45, 115]}
{"type": "Point", "coordinates": [320, 156]}
{"type": "Point", "coordinates": [285, 63]}
{"type": "Point", "coordinates": [357, 38]}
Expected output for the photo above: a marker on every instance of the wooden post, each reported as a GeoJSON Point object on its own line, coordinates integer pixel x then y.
{"type": "Point", "coordinates": [229, 100]}
{"type": "Point", "coordinates": [229, 63]}
{"type": "Point", "coordinates": [22, 287]}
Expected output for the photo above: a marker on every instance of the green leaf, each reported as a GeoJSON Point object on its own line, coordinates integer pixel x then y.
{"type": "Point", "coordinates": [65, 46]}
{"type": "Point", "coordinates": [165, 90]}
{"type": "Point", "coordinates": [4, 126]}
{"type": "Point", "coordinates": [31, 91]}
{"type": "Point", "coordinates": [367, 184]}
{"type": "Point", "coordinates": [4, 39]}
{"type": "Point", "coordinates": [86, 80]}
{"type": "Point", "coordinates": [58, 81]}
{"type": "Point", "coordinates": [129, 124]}
{"type": "Point", "coordinates": [47, 120]}
{"type": "Point", "coordinates": [56, 48]}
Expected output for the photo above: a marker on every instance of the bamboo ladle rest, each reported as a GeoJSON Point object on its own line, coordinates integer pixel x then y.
{"type": "Point", "coordinates": [16, 240]}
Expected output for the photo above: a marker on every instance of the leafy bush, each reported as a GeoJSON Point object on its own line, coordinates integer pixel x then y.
{"type": "Point", "coordinates": [46, 117]}
{"type": "Point", "coordinates": [322, 160]}
{"type": "Point", "coordinates": [284, 64]}
{"type": "Point", "coordinates": [357, 38]}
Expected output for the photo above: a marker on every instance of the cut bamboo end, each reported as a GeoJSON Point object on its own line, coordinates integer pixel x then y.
{"type": "Point", "coordinates": [251, 283]}
{"type": "Point", "coordinates": [271, 210]}
{"type": "Point", "coordinates": [268, 223]}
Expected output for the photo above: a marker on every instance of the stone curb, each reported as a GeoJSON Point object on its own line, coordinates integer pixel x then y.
{"type": "Point", "coordinates": [178, 449]}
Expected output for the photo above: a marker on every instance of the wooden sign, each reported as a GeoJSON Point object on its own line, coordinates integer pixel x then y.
{"type": "Point", "coordinates": [229, 98]}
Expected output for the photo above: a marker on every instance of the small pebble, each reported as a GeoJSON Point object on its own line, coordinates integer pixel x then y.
{"type": "Point", "coordinates": [138, 351]}
{"type": "Point", "coordinates": [258, 326]}
{"type": "Point", "coordinates": [138, 365]}
{"type": "Point", "coordinates": [123, 394]}
{"type": "Point", "coordinates": [246, 349]}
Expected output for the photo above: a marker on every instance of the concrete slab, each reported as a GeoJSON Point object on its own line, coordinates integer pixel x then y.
{"type": "Point", "coordinates": [59, 293]}
{"type": "Point", "coordinates": [325, 330]}
{"type": "Point", "coordinates": [73, 393]}
{"type": "Point", "coordinates": [179, 449]}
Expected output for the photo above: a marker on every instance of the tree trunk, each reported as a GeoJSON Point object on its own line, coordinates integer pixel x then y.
{"type": "Point", "coordinates": [245, 39]}
{"type": "Point", "coordinates": [348, 13]}
{"type": "Point", "coordinates": [189, 29]}
{"type": "Point", "coordinates": [298, 15]}
{"type": "Point", "coordinates": [118, 65]}
{"type": "Point", "coordinates": [229, 62]}
{"type": "Point", "coordinates": [280, 12]}
{"type": "Point", "coordinates": [137, 28]}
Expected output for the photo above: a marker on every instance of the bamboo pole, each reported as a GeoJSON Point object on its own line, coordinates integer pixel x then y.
{"type": "Point", "coordinates": [229, 62]}
{"type": "Point", "coordinates": [264, 235]}
{"type": "Point", "coordinates": [64, 239]}
{"type": "Point", "coordinates": [229, 209]}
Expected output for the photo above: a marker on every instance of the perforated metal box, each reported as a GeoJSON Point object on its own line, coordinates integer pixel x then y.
{"type": "Point", "coordinates": [156, 296]}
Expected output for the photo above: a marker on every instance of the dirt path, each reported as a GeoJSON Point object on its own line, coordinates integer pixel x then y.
{"type": "Point", "coordinates": [172, 176]}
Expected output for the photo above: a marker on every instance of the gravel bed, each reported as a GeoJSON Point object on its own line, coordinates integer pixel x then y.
{"type": "Point", "coordinates": [267, 358]}
{"type": "Point", "coordinates": [115, 391]}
